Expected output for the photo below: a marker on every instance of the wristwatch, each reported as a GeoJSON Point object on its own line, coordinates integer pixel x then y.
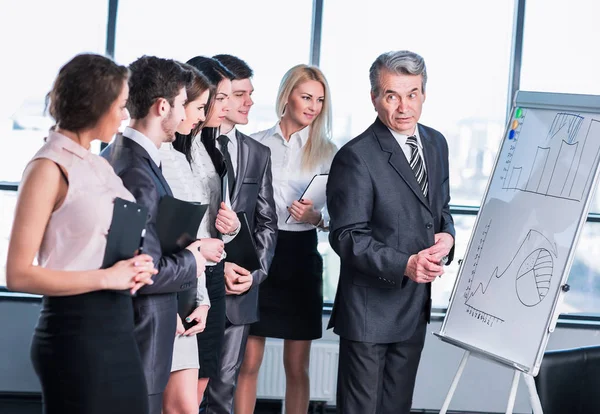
{"type": "Point", "coordinates": [235, 232]}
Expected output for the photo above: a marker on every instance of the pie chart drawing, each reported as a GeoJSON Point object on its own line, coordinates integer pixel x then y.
{"type": "Point", "coordinates": [534, 277]}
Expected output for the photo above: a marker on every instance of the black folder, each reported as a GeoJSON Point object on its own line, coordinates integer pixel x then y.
{"type": "Point", "coordinates": [242, 250]}
{"type": "Point", "coordinates": [177, 225]}
{"type": "Point", "coordinates": [125, 232]}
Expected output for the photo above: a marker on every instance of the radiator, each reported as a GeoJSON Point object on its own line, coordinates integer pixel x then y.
{"type": "Point", "coordinates": [322, 370]}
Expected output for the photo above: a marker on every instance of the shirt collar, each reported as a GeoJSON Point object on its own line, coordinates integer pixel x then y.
{"type": "Point", "coordinates": [232, 137]}
{"type": "Point", "coordinates": [302, 134]}
{"type": "Point", "coordinates": [67, 143]}
{"type": "Point", "coordinates": [401, 138]}
{"type": "Point", "coordinates": [145, 142]}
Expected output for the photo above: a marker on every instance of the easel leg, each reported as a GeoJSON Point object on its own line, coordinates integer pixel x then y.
{"type": "Point", "coordinates": [461, 368]}
{"type": "Point", "coordinates": [513, 392]}
{"type": "Point", "coordinates": [534, 398]}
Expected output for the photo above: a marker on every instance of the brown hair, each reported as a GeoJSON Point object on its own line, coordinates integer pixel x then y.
{"type": "Point", "coordinates": [84, 91]}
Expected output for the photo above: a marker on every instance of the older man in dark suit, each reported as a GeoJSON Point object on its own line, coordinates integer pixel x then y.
{"type": "Point", "coordinates": [252, 193]}
{"type": "Point", "coordinates": [156, 98]}
{"type": "Point", "coordinates": [388, 197]}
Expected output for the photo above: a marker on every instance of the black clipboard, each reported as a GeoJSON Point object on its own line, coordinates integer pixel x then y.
{"type": "Point", "coordinates": [125, 232]}
{"type": "Point", "coordinates": [242, 249]}
{"type": "Point", "coordinates": [128, 221]}
{"type": "Point", "coordinates": [177, 226]}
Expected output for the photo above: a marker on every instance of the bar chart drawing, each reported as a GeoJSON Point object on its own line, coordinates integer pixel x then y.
{"type": "Point", "coordinates": [559, 167]}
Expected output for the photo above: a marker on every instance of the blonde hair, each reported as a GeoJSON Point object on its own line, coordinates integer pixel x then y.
{"type": "Point", "coordinates": [318, 148]}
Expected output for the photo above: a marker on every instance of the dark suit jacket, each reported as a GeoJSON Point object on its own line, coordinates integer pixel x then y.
{"type": "Point", "coordinates": [378, 218]}
{"type": "Point", "coordinates": [156, 305]}
{"type": "Point", "coordinates": [253, 193]}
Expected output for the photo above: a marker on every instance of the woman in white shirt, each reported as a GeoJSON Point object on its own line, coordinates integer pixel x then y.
{"type": "Point", "coordinates": [291, 298]}
{"type": "Point", "coordinates": [207, 166]}
{"type": "Point", "coordinates": [181, 391]}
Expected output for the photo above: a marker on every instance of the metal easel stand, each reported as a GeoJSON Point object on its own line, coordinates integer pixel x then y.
{"type": "Point", "coordinates": [534, 399]}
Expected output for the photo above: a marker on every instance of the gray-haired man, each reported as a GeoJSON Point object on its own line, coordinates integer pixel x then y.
{"type": "Point", "coordinates": [388, 197]}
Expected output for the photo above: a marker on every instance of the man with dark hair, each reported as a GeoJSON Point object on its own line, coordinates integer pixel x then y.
{"type": "Point", "coordinates": [253, 194]}
{"type": "Point", "coordinates": [156, 103]}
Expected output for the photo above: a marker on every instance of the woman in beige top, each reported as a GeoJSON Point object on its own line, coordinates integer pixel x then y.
{"type": "Point", "coordinates": [83, 349]}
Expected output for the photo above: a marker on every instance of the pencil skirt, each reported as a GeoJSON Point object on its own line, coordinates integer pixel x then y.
{"type": "Point", "coordinates": [86, 357]}
{"type": "Point", "coordinates": [291, 298]}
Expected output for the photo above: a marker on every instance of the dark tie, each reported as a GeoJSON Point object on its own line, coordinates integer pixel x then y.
{"type": "Point", "coordinates": [417, 165]}
{"type": "Point", "coordinates": [223, 141]}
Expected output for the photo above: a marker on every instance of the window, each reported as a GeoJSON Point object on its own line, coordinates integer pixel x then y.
{"type": "Point", "coordinates": [32, 62]}
{"type": "Point", "coordinates": [466, 45]}
{"type": "Point", "coordinates": [559, 47]}
{"type": "Point", "coordinates": [184, 29]}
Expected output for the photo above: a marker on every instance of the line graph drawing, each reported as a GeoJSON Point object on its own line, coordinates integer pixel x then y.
{"type": "Point", "coordinates": [555, 170]}
{"type": "Point", "coordinates": [532, 266]}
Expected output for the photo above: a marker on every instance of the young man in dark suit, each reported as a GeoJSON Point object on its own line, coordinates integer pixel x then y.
{"type": "Point", "coordinates": [156, 104]}
{"type": "Point", "coordinates": [388, 200]}
{"type": "Point", "coordinates": [252, 193]}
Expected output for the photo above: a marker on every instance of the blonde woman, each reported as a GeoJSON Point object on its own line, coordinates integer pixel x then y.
{"type": "Point", "coordinates": [291, 298]}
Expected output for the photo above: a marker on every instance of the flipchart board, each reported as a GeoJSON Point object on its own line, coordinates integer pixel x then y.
{"type": "Point", "coordinates": [505, 300]}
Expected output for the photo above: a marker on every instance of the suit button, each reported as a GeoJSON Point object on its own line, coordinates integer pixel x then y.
{"type": "Point", "coordinates": [428, 225]}
{"type": "Point", "coordinates": [210, 269]}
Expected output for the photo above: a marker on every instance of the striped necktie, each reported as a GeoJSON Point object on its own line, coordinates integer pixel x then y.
{"type": "Point", "coordinates": [417, 165]}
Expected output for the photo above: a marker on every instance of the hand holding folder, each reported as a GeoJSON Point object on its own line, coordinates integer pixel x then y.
{"type": "Point", "coordinates": [125, 232]}
{"type": "Point", "coordinates": [315, 191]}
{"type": "Point", "coordinates": [177, 226]}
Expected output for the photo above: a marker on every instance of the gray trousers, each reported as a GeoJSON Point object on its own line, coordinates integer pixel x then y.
{"type": "Point", "coordinates": [378, 378]}
{"type": "Point", "coordinates": [218, 397]}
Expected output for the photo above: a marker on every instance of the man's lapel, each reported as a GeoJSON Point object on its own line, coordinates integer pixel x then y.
{"type": "Point", "coordinates": [397, 159]}
{"type": "Point", "coordinates": [139, 150]}
{"type": "Point", "coordinates": [242, 164]}
{"type": "Point", "coordinates": [431, 163]}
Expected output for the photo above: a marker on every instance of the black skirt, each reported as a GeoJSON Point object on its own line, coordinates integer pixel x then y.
{"type": "Point", "coordinates": [291, 298]}
{"type": "Point", "coordinates": [210, 341]}
{"type": "Point", "coordinates": [86, 357]}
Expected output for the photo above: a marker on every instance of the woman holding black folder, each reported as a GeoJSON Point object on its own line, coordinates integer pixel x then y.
{"type": "Point", "coordinates": [291, 298]}
{"type": "Point", "coordinates": [219, 226]}
{"type": "Point", "coordinates": [83, 348]}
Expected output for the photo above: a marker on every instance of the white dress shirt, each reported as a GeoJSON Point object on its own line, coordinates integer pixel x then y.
{"type": "Point", "coordinates": [179, 176]}
{"type": "Point", "coordinates": [144, 142]}
{"type": "Point", "coordinates": [401, 139]}
{"type": "Point", "coordinates": [289, 179]}
{"type": "Point", "coordinates": [207, 187]}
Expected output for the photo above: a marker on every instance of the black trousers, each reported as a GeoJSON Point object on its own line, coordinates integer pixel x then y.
{"type": "Point", "coordinates": [218, 397]}
{"type": "Point", "coordinates": [379, 378]}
